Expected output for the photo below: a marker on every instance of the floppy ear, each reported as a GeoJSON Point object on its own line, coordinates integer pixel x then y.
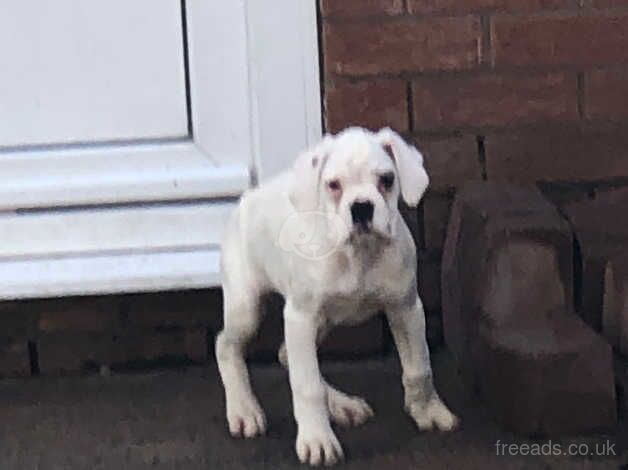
{"type": "Point", "coordinates": [413, 178]}
{"type": "Point", "coordinates": [306, 173]}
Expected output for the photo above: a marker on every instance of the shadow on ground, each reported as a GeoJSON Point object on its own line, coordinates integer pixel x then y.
{"type": "Point", "coordinates": [175, 420]}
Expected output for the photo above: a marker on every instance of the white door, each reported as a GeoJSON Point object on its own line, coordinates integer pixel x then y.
{"type": "Point", "coordinates": [129, 129]}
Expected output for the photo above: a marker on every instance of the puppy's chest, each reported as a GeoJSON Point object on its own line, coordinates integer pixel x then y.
{"type": "Point", "coordinates": [354, 298]}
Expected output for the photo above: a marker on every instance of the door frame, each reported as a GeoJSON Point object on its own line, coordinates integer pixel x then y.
{"type": "Point", "coordinates": [254, 106]}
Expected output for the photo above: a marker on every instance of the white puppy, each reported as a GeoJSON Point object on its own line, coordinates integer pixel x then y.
{"type": "Point", "coordinates": [328, 236]}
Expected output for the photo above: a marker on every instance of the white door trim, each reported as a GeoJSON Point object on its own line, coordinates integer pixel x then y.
{"type": "Point", "coordinates": [255, 103]}
{"type": "Point", "coordinates": [110, 274]}
{"type": "Point", "coordinates": [115, 174]}
{"type": "Point", "coordinates": [117, 229]}
{"type": "Point", "coordinates": [285, 94]}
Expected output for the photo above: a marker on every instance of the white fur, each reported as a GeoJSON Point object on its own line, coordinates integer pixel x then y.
{"type": "Point", "coordinates": [295, 235]}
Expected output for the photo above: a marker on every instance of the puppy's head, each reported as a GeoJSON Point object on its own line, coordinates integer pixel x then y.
{"type": "Point", "coordinates": [358, 175]}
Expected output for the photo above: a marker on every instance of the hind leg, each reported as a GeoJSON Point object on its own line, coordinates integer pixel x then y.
{"type": "Point", "coordinates": [347, 410]}
{"type": "Point", "coordinates": [241, 319]}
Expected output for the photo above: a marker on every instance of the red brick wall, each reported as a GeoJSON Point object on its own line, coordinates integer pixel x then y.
{"type": "Point", "coordinates": [121, 332]}
{"type": "Point", "coordinates": [76, 334]}
{"type": "Point", "coordinates": [529, 91]}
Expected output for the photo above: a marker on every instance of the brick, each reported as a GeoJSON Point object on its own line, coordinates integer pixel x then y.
{"type": "Point", "coordinates": [402, 45]}
{"type": "Point", "coordinates": [62, 353]}
{"type": "Point", "coordinates": [621, 376]}
{"type": "Point", "coordinates": [78, 314]}
{"type": "Point", "coordinates": [67, 353]}
{"type": "Point", "coordinates": [470, 6]}
{"type": "Point", "coordinates": [118, 313]}
{"type": "Point", "coordinates": [564, 40]}
{"type": "Point", "coordinates": [599, 223]}
{"type": "Point", "coordinates": [602, 234]}
{"type": "Point", "coordinates": [510, 319]}
{"type": "Point", "coordinates": [190, 344]}
{"type": "Point", "coordinates": [557, 155]}
{"type": "Point", "coordinates": [373, 105]}
{"type": "Point", "coordinates": [364, 339]}
{"type": "Point", "coordinates": [609, 3]}
{"type": "Point", "coordinates": [265, 345]}
{"type": "Point", "coordinates": [356, 8]}
{"type": "Point", "coordinates": [450, 161]}
{"type": "Point", "coordinates": [19, 319]}
{"type": "Point", "coordinates": [605, 94]}
{"type": "Point", "coordinates": [14, 359]}
{"type": "Point", "coordinates": [535, 388]}
{"type": "Point", "coordinates": [484, 217]}
{"type": "Point", "coordinates": [615, 301]}
{"type": "Point", "coordinates": [429, 274]}
{"type": "Point", "coordinates": [563, 194]}
{"type": "Point", "coordinates": [436, 210]}
{"type": "Point", "coordinates": [589, 300]}
{"type": "Point", "coordinates": [494, 100]}
{"type": "Point", "coordinates": [188, 308]}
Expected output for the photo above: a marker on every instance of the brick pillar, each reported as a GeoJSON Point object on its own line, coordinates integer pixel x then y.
{"type": "Point", "coordinates": [601, 229]}
{"type": "Point", "coordinates": [508, 313]}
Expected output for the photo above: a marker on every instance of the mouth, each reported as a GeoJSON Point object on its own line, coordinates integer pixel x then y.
{"type": "Point", "coordinates": [368, 232]}
{"type": "Point", "coordinates": [363, 229]}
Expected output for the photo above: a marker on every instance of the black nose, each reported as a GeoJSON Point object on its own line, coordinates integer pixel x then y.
{"type": "Point", "coordinates": [362, 212]}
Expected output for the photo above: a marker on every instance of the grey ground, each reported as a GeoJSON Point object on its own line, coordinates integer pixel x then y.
{"type": "Point", "coordinates": [174, 419]}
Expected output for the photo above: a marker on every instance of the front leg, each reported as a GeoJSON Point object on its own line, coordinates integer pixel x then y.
{"type": "Point", "coordinates": [344, 409]}
{"type": "Point", "coordinates": [316, 441]}
{"type": "Point", "coordinates": [407, 324]}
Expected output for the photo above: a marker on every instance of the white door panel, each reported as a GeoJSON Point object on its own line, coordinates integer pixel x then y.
{"type": "Point", "coordinates": [91, 70]}
{"type": "Point", "coordinates": [128, 128]}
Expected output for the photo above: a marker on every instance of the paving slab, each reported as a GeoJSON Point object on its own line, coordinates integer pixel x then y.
{"type": "Point", "coordinates": [174, 419]}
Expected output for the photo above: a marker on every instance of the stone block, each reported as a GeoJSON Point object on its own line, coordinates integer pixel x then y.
{"type": "Point", "coordinates": [601, 229]}
{"type": "Point", "coordinates": [508, 313]}
{"type": "Point", "coordinates": [615, 302]}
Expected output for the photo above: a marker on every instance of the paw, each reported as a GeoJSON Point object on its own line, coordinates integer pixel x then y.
{"type": "Point", "coordinates": [433, 413]}
{"type": "Point", "coordinates": [318, 445]}
{"type": "Point", "coordinates": [245, 417]}
{"type": "Point", "coordinates": [347, 410]}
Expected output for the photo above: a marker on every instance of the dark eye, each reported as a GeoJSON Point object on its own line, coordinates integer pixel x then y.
{"type": "Point", "coordinates": [334, 185]}
{"type": "Point", "coordinates": [386, 181]}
